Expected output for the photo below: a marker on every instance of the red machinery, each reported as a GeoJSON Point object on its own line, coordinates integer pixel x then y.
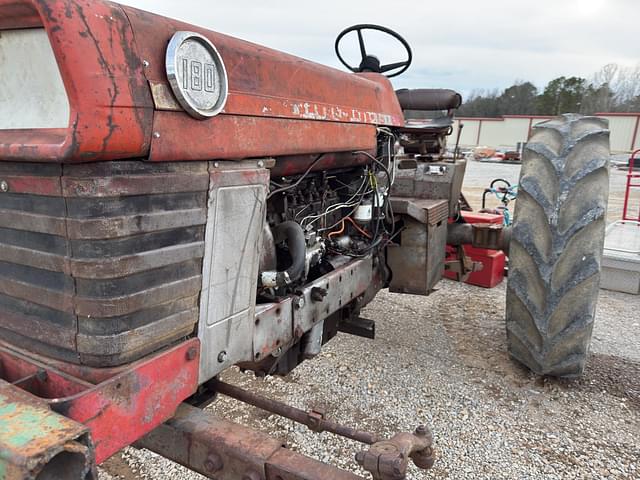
{"type": "Point", "coordinates": [175, 202]}
{"type": "Point", "coordinates": [491, 263]}
{"type": "Point", "coordinates": [631, 175]}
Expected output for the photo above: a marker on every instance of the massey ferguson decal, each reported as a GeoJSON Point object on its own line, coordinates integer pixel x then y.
{"type": "Point", "coordinates": [314, 111]}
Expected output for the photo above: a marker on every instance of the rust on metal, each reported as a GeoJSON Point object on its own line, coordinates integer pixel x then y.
{"type": "Point", "coordinates": [488, 235]}
{"type": "Point", "coordinates": [36, 442]}
{"type": "Point", "coordinates": [88, 374]}
{"type": "Point", "coordinates": [314, 419]}
{"type": "Point", "coordinates": [49, 186]}
{"type": "Point", "coordinates": [111, 109]}
{"type": "Point", "coordinates": [389, 459]}
{"type": "Point", "coordinates": [247, 136]}
{"type": "Point", "coordinates": [120, 409]}
{"type": "Point", "coordinates": [111, 59]}
{"type": "Point", "coordinates": [223, 450]}
{"type": "Point", "coordinates": [261, 80]}
{"type": "Point", "coordinates": [385, 459]}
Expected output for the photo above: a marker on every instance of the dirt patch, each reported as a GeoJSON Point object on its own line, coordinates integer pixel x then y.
{"type": "Point", "coordinates": [119, 468]}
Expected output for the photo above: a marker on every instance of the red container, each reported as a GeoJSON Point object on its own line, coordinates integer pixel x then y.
{"type": "Point", "coordinates": [492, 272]}
{"type": "Point", "coordinates": [493, 261]}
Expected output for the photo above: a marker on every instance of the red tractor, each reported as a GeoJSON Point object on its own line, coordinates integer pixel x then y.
{"type": "Point", "coordinates": [174, 202]}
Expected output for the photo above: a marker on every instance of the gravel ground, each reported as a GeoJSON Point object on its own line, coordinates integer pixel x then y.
{"type": "Point", "coordinates": [441, 360]}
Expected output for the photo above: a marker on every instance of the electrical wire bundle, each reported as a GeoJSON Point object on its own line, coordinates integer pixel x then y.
{"type": "Point", "coordinates": [353, 202]}
{"type": "Point", "coordinates": [382, 225]}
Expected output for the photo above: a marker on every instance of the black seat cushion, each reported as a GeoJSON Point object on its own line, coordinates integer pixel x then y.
{"type": "Point", "coordinates": [428, 99]}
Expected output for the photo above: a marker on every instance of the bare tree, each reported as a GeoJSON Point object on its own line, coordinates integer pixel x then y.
{"type": "Point", "coordinates": [627, 87]}
{"type": "Point", "coordinates": [606, 74]}
{"type": "Point", "coordinates": [613, 88]}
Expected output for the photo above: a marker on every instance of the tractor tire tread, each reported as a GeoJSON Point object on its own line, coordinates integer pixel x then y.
{"type": "Point", "coordinates": [557, 242]}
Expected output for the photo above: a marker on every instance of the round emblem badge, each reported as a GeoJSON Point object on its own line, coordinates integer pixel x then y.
{"type": "Point", "coordinates": [197, 75]}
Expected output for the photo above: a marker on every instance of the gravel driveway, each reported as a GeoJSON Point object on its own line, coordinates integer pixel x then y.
{"type": "Point", "coordinates": [441, 360]}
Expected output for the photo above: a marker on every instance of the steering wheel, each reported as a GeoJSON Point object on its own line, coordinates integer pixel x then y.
{"type": "Point", "coordinates": [370, 63]}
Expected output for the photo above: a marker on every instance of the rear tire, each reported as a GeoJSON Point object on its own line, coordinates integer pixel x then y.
{"type": "Point", "coordinates": [556, 247]}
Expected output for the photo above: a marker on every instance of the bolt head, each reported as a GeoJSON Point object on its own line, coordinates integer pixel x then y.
{"type": "Point", "coordinates": [191, 353]}
{"type": "Point", "coordinates": [260, 164]}
{"type": "Point", "coordinates": [216, 164]}
{"type": "Point", "coordinates": [145, 63]}
{"type": "Point", "coordinates": [298, 303]}
{"type": "Point", "coordinates": [222, 356]}
{"type": "Point", "coordinates": [213, 463]}
{"type": "Point", "coordinates": [156, 134]}
{"type": "Point", "coordinates": [4, 186]}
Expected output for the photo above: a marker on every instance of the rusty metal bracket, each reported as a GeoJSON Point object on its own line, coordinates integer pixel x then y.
{"type": "Point", "coordinates": [462, 266]}
{"type": "Point", "coordinates": [389, 459]}
{"type": "Point", "coordinates": [223, 450]}
{"type": "Point", "coordinates": [491, 236]}
{"type": "Point", "coordinates": [487, 235]}
{"type": "Point", "coordinates": [38, 443]}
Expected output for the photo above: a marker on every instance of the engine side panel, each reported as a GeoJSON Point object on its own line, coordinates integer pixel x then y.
{"type": "Point", "coordinates": [246, 137]}
{"type": "Point", "coordinates": [236, 215]}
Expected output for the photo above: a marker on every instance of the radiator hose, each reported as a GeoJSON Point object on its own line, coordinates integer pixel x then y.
{"type": "Point", "coordinates": [292, 233]}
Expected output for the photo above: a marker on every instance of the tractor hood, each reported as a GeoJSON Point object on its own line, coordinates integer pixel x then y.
{"type": "Point", "coordinates": [87, 80]}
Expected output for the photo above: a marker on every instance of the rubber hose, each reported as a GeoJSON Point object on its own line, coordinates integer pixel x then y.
{"type": "Point", "coordinates": [292, 233]}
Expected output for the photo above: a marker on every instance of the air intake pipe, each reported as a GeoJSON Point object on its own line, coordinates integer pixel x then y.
{"type": "Point", "coordinates": [292, 233]}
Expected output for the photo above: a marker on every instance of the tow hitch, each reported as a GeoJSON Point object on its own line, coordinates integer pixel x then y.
{"type": "Point", "coordinates": [225, 451]}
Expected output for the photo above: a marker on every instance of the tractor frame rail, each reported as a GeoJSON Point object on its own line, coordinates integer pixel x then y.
{"type": "Point", "coordinates": [223, 450]}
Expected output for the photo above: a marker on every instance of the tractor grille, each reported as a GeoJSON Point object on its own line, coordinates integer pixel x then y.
{"type": "Point", "coordinates": [100, 264]}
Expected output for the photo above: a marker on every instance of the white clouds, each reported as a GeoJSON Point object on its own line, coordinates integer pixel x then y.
{"type": "Point", "coordinates": [464, 44]}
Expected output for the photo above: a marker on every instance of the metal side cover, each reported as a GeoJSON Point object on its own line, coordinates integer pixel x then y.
{"type": "Point", "coordinates": [236, 214]}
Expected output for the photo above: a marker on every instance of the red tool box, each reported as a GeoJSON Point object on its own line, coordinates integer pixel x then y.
{"type": "Point", "coordinates": [493, 261]}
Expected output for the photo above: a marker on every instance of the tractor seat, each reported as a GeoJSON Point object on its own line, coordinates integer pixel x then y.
{"type": "Point", "coordinates": [428, 99]}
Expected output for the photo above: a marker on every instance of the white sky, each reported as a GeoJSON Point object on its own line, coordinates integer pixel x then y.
{"type": "Point", "coordinates": [460, 44]}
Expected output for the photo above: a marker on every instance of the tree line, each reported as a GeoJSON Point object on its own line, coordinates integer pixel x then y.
{"type": "Point", "coordinates": [612, 89]}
